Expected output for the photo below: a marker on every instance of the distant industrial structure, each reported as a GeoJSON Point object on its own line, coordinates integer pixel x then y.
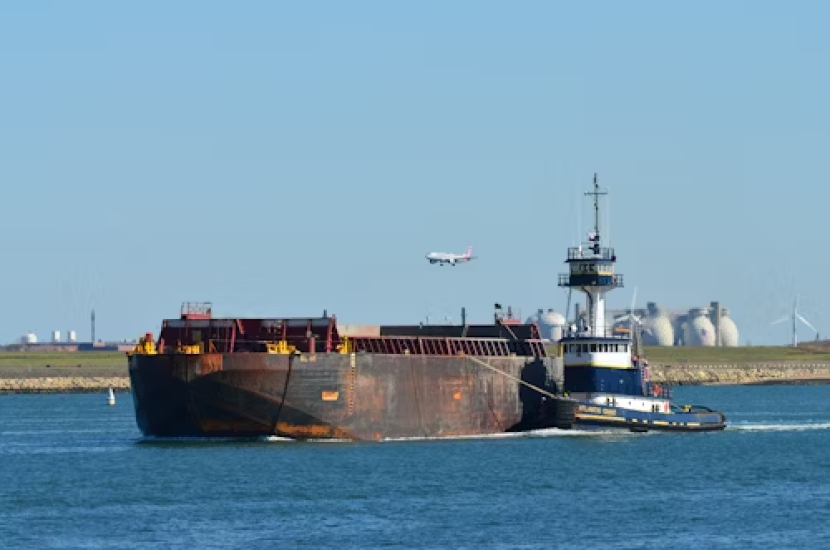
{"type": "Point", "coordinates": [699, 326]}
{"type": "Point", "coordinates": [551, 324]}
{"type": "Point", "coordinates": [30, 342]}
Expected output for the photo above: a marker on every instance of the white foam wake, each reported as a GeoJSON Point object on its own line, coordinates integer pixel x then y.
{"type": "Point", "coordinates": [157, 439]}
{"type": "Point", "coordinates": [778, 427]}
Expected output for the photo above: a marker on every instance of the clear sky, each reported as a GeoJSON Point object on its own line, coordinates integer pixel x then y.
{"type": "Point", "coordinates": [283, 158]}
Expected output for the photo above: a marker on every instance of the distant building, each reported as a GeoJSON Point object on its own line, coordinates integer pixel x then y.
{"type": "Point", "coordinates": [697, 326]}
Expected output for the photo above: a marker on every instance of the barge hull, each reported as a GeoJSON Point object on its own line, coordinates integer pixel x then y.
{"type": "Point", "coordinates": [354, 396]}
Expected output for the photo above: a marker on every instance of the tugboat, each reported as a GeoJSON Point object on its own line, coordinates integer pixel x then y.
{"type": "Point", "coordinates": [604, 371]}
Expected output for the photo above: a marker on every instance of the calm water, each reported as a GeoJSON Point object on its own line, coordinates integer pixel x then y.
{"type": "Point", "coordinates": [75, 473]}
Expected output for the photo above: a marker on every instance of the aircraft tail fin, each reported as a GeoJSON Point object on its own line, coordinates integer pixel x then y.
{"type": "Point", "coordinates": [469, 252]}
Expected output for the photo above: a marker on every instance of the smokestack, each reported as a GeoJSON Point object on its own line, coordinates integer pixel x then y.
{"type": "Point", "coordinates": [716, 316]}
{"type": "Point", "coordinates": [92, 319]}
{"type": "Point", "coordinates": [464, 316]}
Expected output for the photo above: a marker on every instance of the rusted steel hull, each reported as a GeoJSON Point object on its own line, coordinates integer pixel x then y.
{"type": "Point", "coordinates": [352, 396]}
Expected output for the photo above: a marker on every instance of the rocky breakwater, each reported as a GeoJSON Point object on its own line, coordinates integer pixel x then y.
{"type": "Point", "coordinates": [68, 384]}
{"type": "Point", "coordinates": [790, 372]}
{"type": "Point", "coordinates": [79, 379]}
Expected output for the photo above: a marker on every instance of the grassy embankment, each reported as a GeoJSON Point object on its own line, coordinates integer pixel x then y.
{"type": "Point", "coordinates": [746, 354]}
{"type": "Point", "coordinates": [61, 363]}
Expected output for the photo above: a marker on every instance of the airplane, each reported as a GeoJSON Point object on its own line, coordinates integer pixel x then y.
{"type": "Point", "coordinates": [442, 258]}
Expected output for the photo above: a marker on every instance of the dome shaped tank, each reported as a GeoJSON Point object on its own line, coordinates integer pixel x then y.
{"type": "Point", "coordinates": [728, 330]}
{"type": "Point", "coordinates": [698, 329]}
{"type": "Point", "coordinates": [30, 338]}
{"type": "Point", "coordinates": [551, 325]}
{"type": "Point", "coordinates": [657, 329]}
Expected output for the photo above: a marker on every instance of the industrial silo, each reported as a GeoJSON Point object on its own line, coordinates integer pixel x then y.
{"type": "Point", "coordinates": [551, 325]}
{"type": "Point", "coordinates": [728, 330]}
{"type": "Point", "coordinates": [698, 330]}
{"type": "Point", "coordinates": [657, 327]}
{"type": "Point", "coordinates": [72, 336]}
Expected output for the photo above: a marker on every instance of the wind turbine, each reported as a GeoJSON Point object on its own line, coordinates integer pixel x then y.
{"type": "Point", "coordinates": [793, 317]}
{"type": "Point", "coordinates": [630, 317]}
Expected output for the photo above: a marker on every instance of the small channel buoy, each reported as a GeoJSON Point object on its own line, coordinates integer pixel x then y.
{"type": "Point", "coordinates": [111, 398]}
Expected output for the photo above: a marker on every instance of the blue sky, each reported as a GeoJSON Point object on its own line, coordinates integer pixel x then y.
{"type": "Point", "coordinates": [281, 158]}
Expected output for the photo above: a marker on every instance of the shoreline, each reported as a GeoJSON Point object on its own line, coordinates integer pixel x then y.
{"type": "Point", "coordinates": [64, 384]}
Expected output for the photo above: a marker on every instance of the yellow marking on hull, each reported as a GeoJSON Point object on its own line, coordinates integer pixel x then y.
{"type": "Point", "coordinates": [589, 409]}
{"type": "Point", "coordinates": [598, 417]}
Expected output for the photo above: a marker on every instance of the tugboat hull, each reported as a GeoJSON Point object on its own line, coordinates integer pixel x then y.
{"type": "Point", "coordinates": [592, 416]}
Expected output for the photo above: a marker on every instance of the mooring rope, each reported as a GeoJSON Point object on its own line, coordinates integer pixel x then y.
{"type": "Point", "coordinates": [519, 380]}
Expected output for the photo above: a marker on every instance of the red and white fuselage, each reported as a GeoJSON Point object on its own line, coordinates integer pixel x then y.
{"type": "Point", "coordinates": [442, 258]}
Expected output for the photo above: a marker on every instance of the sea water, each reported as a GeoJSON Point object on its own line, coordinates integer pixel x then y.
{"type": "Point", "coordinates": [76, 473]}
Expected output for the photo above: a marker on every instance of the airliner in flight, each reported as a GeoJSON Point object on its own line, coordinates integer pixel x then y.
{"type": "Point", "coordinates": [442, 258]}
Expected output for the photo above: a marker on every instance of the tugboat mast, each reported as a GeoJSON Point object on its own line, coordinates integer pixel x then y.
{"type": "Point", "coordinates": [596, 194]}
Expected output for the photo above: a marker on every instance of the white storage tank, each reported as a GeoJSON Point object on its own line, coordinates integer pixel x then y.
{"type": "Point", "coordinates": [658, 330]}
{"type": "Point", "coordinates": [71, 336]}
{"type": "Point", "coordinates": [56, 336]}
{"type": "Point", "coordinates": [698, 329]}
{"type": "Point", "coordinates": [728, 330]}
{"type": "Point", "coordinates": [30, 338]}
{"type": "Point", "coordinates": [552, 325]}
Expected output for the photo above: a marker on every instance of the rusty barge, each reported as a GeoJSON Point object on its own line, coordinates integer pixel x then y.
{"type": "Point", "coordinates": [314, 378]}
